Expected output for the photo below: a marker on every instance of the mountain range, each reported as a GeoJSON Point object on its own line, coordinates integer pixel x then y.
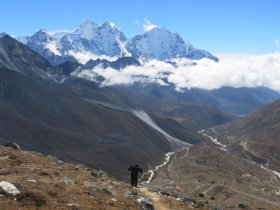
{"type": "Point", "coordinates": [47, 106]}
{"type": "Point", "coordinates": [35, 109]}
{"type": "Point", "coordinates": [109, 41]}
{"type": "Point", "coordinates": [53, 118]}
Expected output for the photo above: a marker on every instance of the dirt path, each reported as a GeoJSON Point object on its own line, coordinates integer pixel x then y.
{"type": "Point", "coordinates": [158, 204]}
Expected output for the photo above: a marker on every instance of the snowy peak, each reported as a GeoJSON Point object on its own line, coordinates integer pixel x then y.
{"type": "Point", "coordinates": [87, 23]}
{"type": "Point", "coordinates": [48, 43]}
{"type": "Point", "coordinates": [110, 24]}
{"type": "Point", "coordinates": [91, 41]}
{"type": "Point", "coordinates": [87, 29]}
{"type": "Point", "coordinates": [41, 36]}
{"type": "Point", "coordinates": [110, 27]}
{"type": "Point", "coordinates": [161, 44]}
{"type": "Point", "coordinates": [90, 30]}
{"type": "Point", "coordinates": [157, 29]}
{"type": "Point", "coordinates": [59, 34]}
{"type": "Point", "coordinates": [38, 38]}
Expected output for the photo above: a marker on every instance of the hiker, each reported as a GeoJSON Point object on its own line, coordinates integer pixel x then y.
{"type": "Point", "coordinates": [134, 170]}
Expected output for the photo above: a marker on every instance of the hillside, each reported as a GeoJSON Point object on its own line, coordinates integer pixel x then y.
{"type": "Point", "coordinates": [255, 136]}
{"type": "Point", "coordinates": [52, 120]}
{"type": "Point", "coordinates": [18, 57]}
{"type": "Point", "coordinates": [211, 175]}
{"type": "Point", "coordinates": [48, 183]}
{"type": "Point", "coordinates": [45, 182]}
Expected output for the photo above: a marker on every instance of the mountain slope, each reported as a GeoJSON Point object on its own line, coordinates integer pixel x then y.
{"type": "Point", "coordinates": [67, 68]}
{"type": "Point", "coordinates": [244, 100]}
{"type": "Point", "coordinates": [50, 119]}
{"type": "Point", "coordinates": [255, 136]}
{"type": "Point", "coordinates": [161, 44]}
{"type": "Point", "coordinates": [49, 183]}
{"type": "Point", "coordinates": [16, 56]}
{"type": "Point", "coordinates": [163, 102]}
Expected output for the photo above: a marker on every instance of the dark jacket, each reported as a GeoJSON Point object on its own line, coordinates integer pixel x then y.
{"type": "Point", "coordinates": [134, 170]}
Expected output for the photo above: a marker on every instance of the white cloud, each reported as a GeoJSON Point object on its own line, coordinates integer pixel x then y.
{"type": "Point", "coordinates": [148, 25]}
{"type": "Point", "coordinates": [246, 71]}
{"type": "Point", "coordinates": [233, 71]}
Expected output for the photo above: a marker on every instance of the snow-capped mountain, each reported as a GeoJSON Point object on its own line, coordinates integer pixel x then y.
{"type": "Point", "coordinates": [106, 39]}
{"type": "Point", "coordinates": [90, 41]}
{"type": "Point", "coordinates": [89, 38]}
{"type": "Point", "coordinates": [49, 43]}
{"type": "Point", "coordinates": [46, 45]}
{"type": "Point", "coordinates": [161, 44]}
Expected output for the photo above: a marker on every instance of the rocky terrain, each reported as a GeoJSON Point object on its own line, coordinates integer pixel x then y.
{"type": "Point", "coordinates": [215, 179]}
{"type": "Point", "coordinates": [30, 180]}
{"type": "Point", "coordinates": [200, 177]}
{"type": "Point", "coordinates": [48, 183]}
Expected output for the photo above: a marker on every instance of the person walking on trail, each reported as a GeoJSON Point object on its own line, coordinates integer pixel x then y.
{"type": "Point", "coordinates": [134, 170]}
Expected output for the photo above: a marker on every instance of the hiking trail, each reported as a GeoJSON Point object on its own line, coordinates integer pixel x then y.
{"type": "Point", "coordinates": [158, 204]}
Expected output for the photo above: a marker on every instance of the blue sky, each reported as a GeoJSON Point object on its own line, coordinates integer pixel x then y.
{"type": "Point", "coordinates": [218, 26]}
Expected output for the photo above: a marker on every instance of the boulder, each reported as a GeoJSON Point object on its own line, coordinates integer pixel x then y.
{"type": "Point", "coordinates": [98, 173]}
{"type": "Point", "coordinates": [130, 193]}
{"type": "Point", "coordinates": [8, 189]}
{"type": "Point", "coordinates": [201, 195]}
{"type": "Point", "coordinates": [145, 203]}
{"type": "Point", "coordinates": [242, 206]}
{"type": "Point", "coordinates": [68, 181]}
{"type": "Point", "coordinates": [12, 145]}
